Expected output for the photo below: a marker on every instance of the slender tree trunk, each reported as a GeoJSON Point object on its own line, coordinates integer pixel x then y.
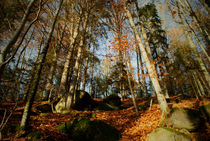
{"type": "Point", "coordinates": [193, 33]}
{"type": "Point", "coordinates": [62, 89]}
{"type": "Point", "coordinates": [206, 4]}
{"type": "Point", "coordinates": [202, 29]}
{"type": "Point", "coordinates": [5, 50]}
{"type": "Point", "coordinates": [73, 83]}
{"type": "Point", "coordinates": [150, 67]}
{"type": "Point", "coordinates": [33, 90]}
{"type": "Point", "coordinates": [86, 65]}
{"type": "Point", "coordinates": [130, 85]}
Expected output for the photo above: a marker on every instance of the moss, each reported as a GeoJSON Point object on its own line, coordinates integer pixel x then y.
{"type": "Point", "coordinates": [84, 129]}
{"type": "Point", "coordinates": [12, 128]}
{"type": "Point", "coordinates": [34, 136]}
{"type": "Point", "coordinates": [106, 107]}
{"type": "Point", "coordinates": [178, 133]}
{"type": "Point", "coordinates": [205, 112]}
{"type": "Point", "coordinates": [44, 114]}
{"type": "Point", "coordinates": [65, 112]}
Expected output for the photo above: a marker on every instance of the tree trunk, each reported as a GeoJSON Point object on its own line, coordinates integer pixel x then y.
{"type": "Point", "coordinates": [77, 65]}
{"type": "Point", "coordinates": [5, 50]}
{"type": "Point", "coordinates": [62, 88]}
{"type": "Point", "coordinates": [33, 90]}
{"type": "Point", "coordinates": [130, 85]}
{"type": "Point", "coordinates": [150, 67]}
{"type": "Point", "coordinates": [86, 64]}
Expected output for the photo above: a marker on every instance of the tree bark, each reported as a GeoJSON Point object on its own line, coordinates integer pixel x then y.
{"type": "Point", "coordinates": [150, 67]}
{"type": "Point", "coordinates": [33, 90]}
{"type": "Point", "coordinates": [8, 46]}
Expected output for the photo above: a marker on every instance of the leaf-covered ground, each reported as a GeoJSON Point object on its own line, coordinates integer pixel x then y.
{"type": "Point", "coordinates": [132, 128]}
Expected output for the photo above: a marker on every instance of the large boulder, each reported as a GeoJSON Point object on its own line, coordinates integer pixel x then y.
{"type": "Point", "coordinates": [113, 100]}
{"type": "Point", "coordinates": [183, 119]}
{"type": "Point", "coordinates": [61, 105]}
{"type": "Point", "coordinates": [83, 101]}
{"type": "Point", "coordinates": [167, 134]}
{"type": "Point", "coordinates": [84, 129]}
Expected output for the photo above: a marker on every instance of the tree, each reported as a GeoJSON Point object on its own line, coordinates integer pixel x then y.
{"type": "Point", "coordinates": [5, 50]}
{"type": "Point", "coordinates": [33, 90]}
{"type": "Point", "coordinates": [150, 67]}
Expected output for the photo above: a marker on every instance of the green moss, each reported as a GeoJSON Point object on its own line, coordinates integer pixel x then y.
{"type": "Point", "coordinates": [65, 112]}
{"type": "Point", "coordinates": [12, 128]}
{"type": "Point", "coordinates": [205, 111]}
{"type": "Point", "coordinates": [106, 107]}
{"type": "Point", "coordinates": [44, 114]}
{"type": "Point", "coordinates": [34, 136]}
{"type": "Point", "coordinates": [85, 129]}
{"type": "Point", "coordinates": [176, 132]}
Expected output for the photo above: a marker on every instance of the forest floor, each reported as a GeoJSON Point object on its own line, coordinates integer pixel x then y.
{"type": "Point", "coordinates": [132, 128]}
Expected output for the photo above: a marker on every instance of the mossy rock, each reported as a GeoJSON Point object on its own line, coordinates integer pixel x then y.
{"type": "Point", "coordinates": [183, 119]}
{"type": "Point", "coordinates": [12, 128]}
{"type": "Point", "coordinates": [34, 136]}
{"type": "Point", "coordinates": [106, 107]}
{"type": "Point", "coordinates": [44, 114]}
{"type": "Point", "coordinates": [83, 101]}
{"type": "Point", "coordinates": [113, 100]}
{"type": "Point", "coordinates": [85, 129]}
{"type": "Point", "coordinates": [167, 134]}
{"type": "Point", "coordinates": [205, 111]}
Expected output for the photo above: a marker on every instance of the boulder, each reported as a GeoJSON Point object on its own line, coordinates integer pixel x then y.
{"type": "Point", "coordinates": [84, 129]}
{"type": "Point", "coordinates": [167, 134]}
{"type": "Point", "coordinates": [61, 105]}
{"type": "Point", "coordinates": [183, 119]}
{"type": "Point", "coordinates": [83, 101]}
{"type": "Point", "coordinates": [113, 100]}
{"type": "Point", "coordinates": [205, 111]}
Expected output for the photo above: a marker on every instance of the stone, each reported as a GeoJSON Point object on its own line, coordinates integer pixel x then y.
{"type": "Point", "coordinates": [205, 111]}
{"type": "Point", "coordinates": [183, 119]}
{"type": "Point", "coordinates": [167, 134]}
{"type": "Point", "coordinates": [113, 100]}
{"type": "Point", "coordinates": [84, 129]}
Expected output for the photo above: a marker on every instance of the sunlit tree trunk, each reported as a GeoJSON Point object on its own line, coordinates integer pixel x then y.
{"type": "Point", "coordinates": [129, 83]}
{"type": "Point", "coordinates": [49, 84]}
{"type": "Point", "coordinates": [86, 64]}
{"type": "Point", "coordinates": [206, 5]}
{"type": "Point", "coordinates": [202, 29]}
{"type": "Point", "coordinates": [150, 67]}
{"type": "Point", "coordinates": [62, 89]}
{"type": "Point", "coordinates": [193, 33]}
{"type": "Point", "coordinates": [73, 83]}
{"type": "Point", "coordinates": [33, 90]}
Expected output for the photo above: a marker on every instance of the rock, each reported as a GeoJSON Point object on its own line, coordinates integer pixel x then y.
{"type": "Point", "coordinates": [44, 114]}
{"type": "Point", "coordinates": [183, 119]}
{"type": "Point", "coordinates": [205, 111]}
{"type": "Point", "coordinates": [84, 129]}
{"type": "Point", "coordinates": [61, 105]}
{"type": "Point", "coordinates": [43, 108]}
{"type": "Point", "coordinates": [167, 134]}
{"type": "Point", "coordinates": [106, 107]}
{"type": "Point", "coordinates": [113, 100]}
{"type": "Point", "coordinates": [83, 101]}
{"type": "Point", "coordinates": [34, 136]}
